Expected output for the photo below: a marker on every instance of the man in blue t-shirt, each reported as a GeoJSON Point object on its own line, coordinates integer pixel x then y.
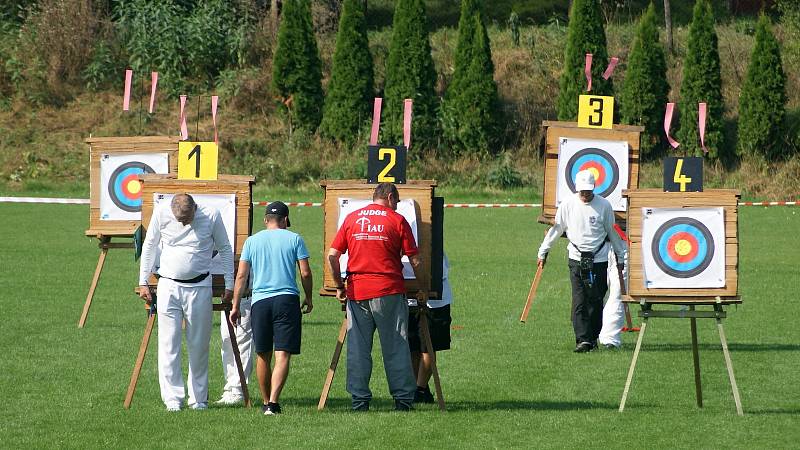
{"type": "Point", "coordinates": [271, 257]}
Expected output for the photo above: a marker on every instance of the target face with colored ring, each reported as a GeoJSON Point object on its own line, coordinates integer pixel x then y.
{"type": "Point", "coordinates": [124, 188]}
{"type": "Point", "coordinates": [600, 163]}
{"type": "Point", "coordinates": [682, 247]}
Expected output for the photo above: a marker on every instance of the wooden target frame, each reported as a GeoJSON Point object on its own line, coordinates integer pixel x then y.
{"type": "Point", "coordinates": [106, 230]}
{"type": "Point", "coordinates": [421, 191]}
{"type": "Point", "coordinates": [728, 199]}
{"type": "Point", "coordinates": [692, 298]}
{"type": "Point", "coordinates": [556, 130]}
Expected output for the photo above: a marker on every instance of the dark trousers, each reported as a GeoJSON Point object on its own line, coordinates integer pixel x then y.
{"type": "Point", "coordinates": [587, 303]}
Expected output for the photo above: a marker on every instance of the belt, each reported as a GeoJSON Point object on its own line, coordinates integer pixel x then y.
{"type": "Point", "coordinates": [194, 280]}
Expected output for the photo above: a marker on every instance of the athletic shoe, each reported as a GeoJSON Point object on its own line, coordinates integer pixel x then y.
{"type": "Point", "coordinates": [361, 406]}
{"type": "Point", "coordinates": [403, 405]}
{"type": "Point", "coordinates": [272, 409]}
{"type": "Point", "coordinates": [264, 409]}
{"type": "Point", "coordinates": [230, 398]}
{"type": "Point", "coordinates": [583, 347]}
{"type": "Point", "coordinates": [611, 347]}
{"type": "Point", "coordinates": [173, 407]}
{"type": "Point", "coordinates": [202, 406]}
{"type": "Point", "coordinates": [423, 395]}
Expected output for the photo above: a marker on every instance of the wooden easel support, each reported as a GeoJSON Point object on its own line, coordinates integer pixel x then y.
{"type": "Point", "coordinates": [718, 314]}
{"type": "Point", "coordinates": [426, 334]}
{"type": "Point", "coordinates": [337, 352]}
{"type": "Point", "coordinates": [531, 294]}
{"type": "Point", "coordinates": [225, 307]}
{"type": "Point", "coordinates": [104, 244]}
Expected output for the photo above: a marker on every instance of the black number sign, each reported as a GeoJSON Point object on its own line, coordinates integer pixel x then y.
{"type": "Point", "coordinates": [386, 164]}
{"type": "Point", "coordinates": [683, 174]}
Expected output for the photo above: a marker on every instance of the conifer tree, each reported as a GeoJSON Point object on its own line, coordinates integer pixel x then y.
{"type": "Point", "coordinates": [471, 110]}
{"type": "Point", "coordinates": [410, 73]}
{"type": "Point", "coordinates": [347, 105]}
{"type": "Point", "coordinates": [702, 82]}
{"type": "Point", "coordinates": [296, 67]}
{"type": "Point", "coordinates": [585, 34]}
{"type": "Point", "coordinates": [645, 91]}
{"type": "Point", "coordinates": [763, 97]}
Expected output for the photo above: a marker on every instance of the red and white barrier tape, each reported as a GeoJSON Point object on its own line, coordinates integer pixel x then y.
{"type": "Point", "coordinates": [85, 201]}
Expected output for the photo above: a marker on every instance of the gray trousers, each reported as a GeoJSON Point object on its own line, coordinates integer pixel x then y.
{"type": "Point", "coordinates": [389, 315]}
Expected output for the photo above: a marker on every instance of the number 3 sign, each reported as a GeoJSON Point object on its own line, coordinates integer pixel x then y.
{"type": "Point", "coordinates": [595, 111]}
{"type": "Point", "coordinates": [197, 160]}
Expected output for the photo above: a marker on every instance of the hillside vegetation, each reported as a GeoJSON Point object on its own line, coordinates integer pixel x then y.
{"type": "Point", "coordinates": [43, 123]}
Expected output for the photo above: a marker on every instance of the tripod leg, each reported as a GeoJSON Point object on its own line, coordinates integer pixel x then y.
{"type": "Point", "coordinates": [729, 366]}
{"type": "Point", "coordinates": [337, 352]}
{"type": "Point", "coordinates": [531, 294]}
{"type": "Point", "coordinates": [426, 334]}
{"type": "Point", "coordinates": [93, 286]}
{"type": "Point", "coordinates": [238, 358]}
{"type": "Point", "coordinates": [137, 368]}
{"type": "Point", "coordinates": [698, 387]}
{"type": "Point", "coordinates": [633, 366]}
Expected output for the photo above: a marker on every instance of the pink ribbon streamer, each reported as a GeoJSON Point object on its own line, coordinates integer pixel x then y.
{"type": "Point", "coordinates": [668, 122]}
{"type": "Point", "coordinates": [587, 69]}
{"type": "Point", "coordinates": [376, 121]}
{"type": "Point", "coordinates": [214, 102]}
{"type": "Point", "coordinates": [153, 84]}
{"type": "Point", "coordinates": [126, 97]}
{"type": "Point", "coordinates": [184, 127]}
{"type": "Point", "coordinates": [701, 118]}
{"type": "Point", "coordinates": [407, 107]}
{"type": "Point", "coordinates": [612, 64]}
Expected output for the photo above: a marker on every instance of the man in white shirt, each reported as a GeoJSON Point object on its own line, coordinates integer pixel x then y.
{"type": "Point", "coordinates": [187, 235]}
{"type": "Point", "coordinates": [588, 221]}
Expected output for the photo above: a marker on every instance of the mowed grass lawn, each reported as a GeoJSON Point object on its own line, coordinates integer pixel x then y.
{"type": "Point", "coordinates": [506, 384]}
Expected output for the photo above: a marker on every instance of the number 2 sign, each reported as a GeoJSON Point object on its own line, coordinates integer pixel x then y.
{"type": "Point", "coordinates": [595, 111]}
{"type": "Point", "coordinates": [197, 160]}
{"type": "Point", "coordinates": [386, 164]}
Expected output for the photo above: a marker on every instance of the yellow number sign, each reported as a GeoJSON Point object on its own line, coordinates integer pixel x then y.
{"type": "Point", "coordinates": [595, 111]}
{"type": "Point", "coordinates": [197, 160]}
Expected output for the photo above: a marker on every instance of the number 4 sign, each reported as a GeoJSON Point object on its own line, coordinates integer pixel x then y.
{"type": "Point", "coordinates": [595, 111]}
{"type": "Point", "coordinates": [683, 174]}
{"type": "Point", "coordinates": [197, 160]}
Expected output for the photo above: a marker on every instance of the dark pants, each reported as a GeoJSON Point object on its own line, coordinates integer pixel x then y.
{"type": "Point", "coordinates": [587, 303]}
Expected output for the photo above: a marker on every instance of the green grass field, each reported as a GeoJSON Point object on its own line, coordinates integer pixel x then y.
{"type": "Point", "coordinates": [506, 384]}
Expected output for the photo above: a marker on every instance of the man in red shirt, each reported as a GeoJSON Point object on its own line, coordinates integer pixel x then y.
{"type": "Point", "coordinates": [375, 238]}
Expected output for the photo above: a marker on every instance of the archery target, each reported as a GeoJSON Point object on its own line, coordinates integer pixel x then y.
{"type": "Point", "coordinates": [405, 208]}
{"type": "Point", "coordinates": [683, 247]}
{"type": "Point", "coordinates": [120, 189]}
{"type": "Point", "coordinates": [224, 203]}
{"type": "Point", "coordinates": [608, 160]}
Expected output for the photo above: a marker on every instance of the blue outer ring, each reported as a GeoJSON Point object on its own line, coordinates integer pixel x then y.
{"type": "Point", "coordinates": [115, 185]}
{"type": "Point", "coordinates": [699, 263]}
{"type": "Point", "coordinates": [605, 160]}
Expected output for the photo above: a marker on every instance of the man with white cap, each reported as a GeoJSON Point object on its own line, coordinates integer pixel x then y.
{"type": "Point", "coordinates": [588, 221]}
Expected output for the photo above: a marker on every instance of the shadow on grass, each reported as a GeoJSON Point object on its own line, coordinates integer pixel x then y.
{"type": "Point", "coordinates": [771, 347]}
{"type": "Point", "coordinates": [772, 411]}
{"type": "Point", "coordinates": [339, 403]}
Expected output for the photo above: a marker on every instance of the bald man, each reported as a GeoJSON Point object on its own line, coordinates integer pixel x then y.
{"type": "Point", "coordinates": [187, 235]}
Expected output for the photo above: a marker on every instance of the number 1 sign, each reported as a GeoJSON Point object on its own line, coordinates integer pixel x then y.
{"type": "Point", "coordinates": [197, 160]}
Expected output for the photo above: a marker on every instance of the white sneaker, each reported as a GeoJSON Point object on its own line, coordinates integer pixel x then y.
{"type": "Point", "coordinates": [173, 407]}
{"type": "Point", "coordinates": [200, 406]}
{"type": "Point", "coordinates": [230, 398]}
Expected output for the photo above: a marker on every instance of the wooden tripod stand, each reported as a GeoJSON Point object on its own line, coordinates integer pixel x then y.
{"type": "Point", "coordinates": [225, 308]}
{"type": "Point", "coordinates": [337, 352]}
{"type": "Point", "coordinates": [718, 313]}
{"type": "Point", "coordinates": [105, 244]}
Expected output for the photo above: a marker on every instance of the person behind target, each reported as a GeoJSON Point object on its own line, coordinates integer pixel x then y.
{"type": "Point", "coordinates": [271, 258]}
{"type": "Point", "coordinates": [588, 221]}
{"type": "Point", "coordinates": [188, 234]}
{"type": "Point", "coordinates": [375, 238]}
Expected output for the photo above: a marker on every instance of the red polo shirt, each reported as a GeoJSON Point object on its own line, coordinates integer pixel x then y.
{"type": "Point", "coordinates": [375, 238]}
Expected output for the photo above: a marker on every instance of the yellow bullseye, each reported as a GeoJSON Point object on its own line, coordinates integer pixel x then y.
{"type": "Point", "coordinates": [595, 172]}
{"type": "Point", "coordinates": [683, 247]}
{"type": "Point", "coordinates": [134, 187]}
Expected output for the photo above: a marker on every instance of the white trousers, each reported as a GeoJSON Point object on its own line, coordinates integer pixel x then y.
{"type": "Point", "coordinates": [244, 338]}
{"type": "Point", "coordinates": [177, 303]}
{"type": "Point", "coordinates": [614, 310]}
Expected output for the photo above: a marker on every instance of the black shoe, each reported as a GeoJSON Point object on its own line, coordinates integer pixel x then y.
{"type": "Point", "coordinates": [271, 409]}
{"type": "Point", "coordinates": [423, 395]}
{"type": "Point", "coordinates": [583, 347]}
{"type": "Point", "coordinates": [361, 406]}
{"type": "Point", "coordinates": [403, 405]}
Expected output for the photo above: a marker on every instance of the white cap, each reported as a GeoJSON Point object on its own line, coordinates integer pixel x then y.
{"type": "Point", "coordinates": [584, 181]}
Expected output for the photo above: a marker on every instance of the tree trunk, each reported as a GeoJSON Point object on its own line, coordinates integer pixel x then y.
{"type": "Point", "coordinates": [668, 25]}
{"type": "Point", "coordinates": [273, 12]}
